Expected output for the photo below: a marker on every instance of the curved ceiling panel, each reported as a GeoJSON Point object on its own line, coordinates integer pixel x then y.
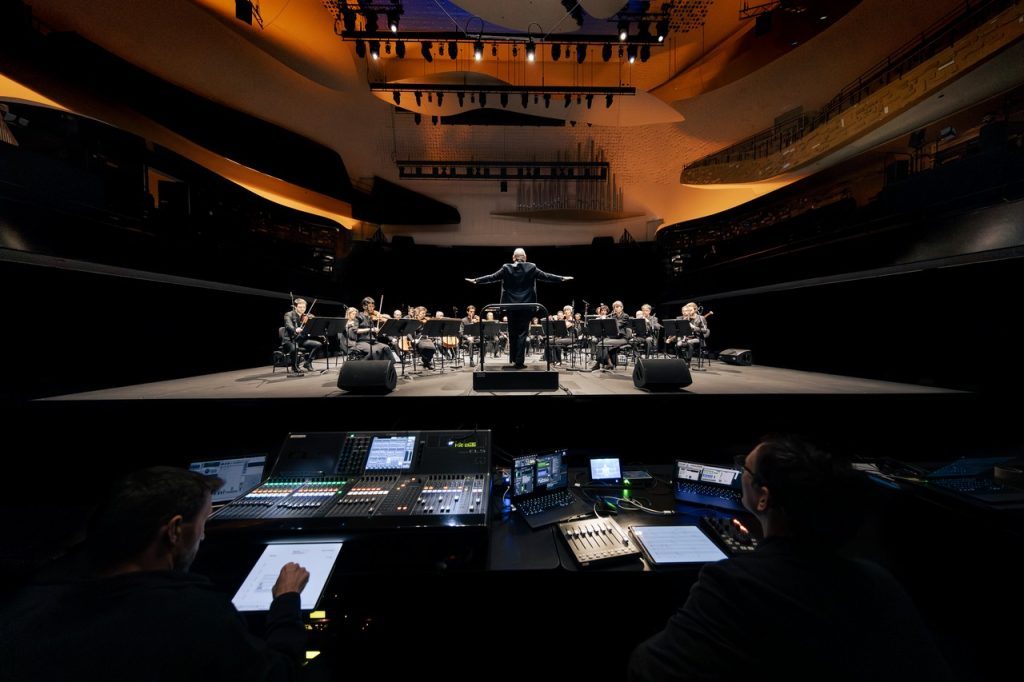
{"type": "Point", "coordinates": [550, 15]}
{"type": "Point", "coordinates": [602, 9]}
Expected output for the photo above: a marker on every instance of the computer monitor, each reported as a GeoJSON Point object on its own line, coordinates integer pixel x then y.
{"type": "Point", "coordinates": [540, 473]}
{"type": "Point", "coordinates": [240, 475]}
{"type": "Point", "coordinates": [391, 453]}
{"type": "Point", "coordinates": [606, 469]}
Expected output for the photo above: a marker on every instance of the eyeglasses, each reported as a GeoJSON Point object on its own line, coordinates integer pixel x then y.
{"type": "Point", "coordinates": [741, 463]}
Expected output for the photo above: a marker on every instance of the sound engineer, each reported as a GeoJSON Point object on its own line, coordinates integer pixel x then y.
{"type": "Point", "coordinates": [794, 608]}
{"type": "Point", "coordinates": [135, 612]}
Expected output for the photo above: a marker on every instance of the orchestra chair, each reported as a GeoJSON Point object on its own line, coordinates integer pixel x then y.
{"type": "Point", "coordinates": [283, 354]}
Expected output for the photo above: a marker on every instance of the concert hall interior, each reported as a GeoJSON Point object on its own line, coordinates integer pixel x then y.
{"type": "Point", "coordinates": [837, 186]}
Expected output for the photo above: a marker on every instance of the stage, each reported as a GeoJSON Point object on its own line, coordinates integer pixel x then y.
{"type": "Point", "coordinates": [717, 378]}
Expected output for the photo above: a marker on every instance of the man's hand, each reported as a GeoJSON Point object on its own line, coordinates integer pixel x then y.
{"type": "Point", "coordinates": [566, 279]}
{"type": "Point", "coordinates": [293, 578]}
{"type": "Point", "coordinates": [471, 281]}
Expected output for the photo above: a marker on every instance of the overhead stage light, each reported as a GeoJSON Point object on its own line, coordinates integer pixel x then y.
{"type": "Point", "coordinates": [425, 47]}
{"type": "Point", "coordinates": [581, 52]}
{"type": "Point", "coordinates": [440, 98]}
{"type": "Point", "coordinates": [453, 49]}
{"type": "Point", "coordinates": [645, 52]}
{"type": "Point", "coordinates": [631, 53]}
{"type": "Point", "coordinates": [375, 49]}
{"type": "Point", "coordinates": [531, 52]}
{"type": "Point", "coordinates": [662, 28]}
{"type": "Point", "coordinates": [606, 52]}
{"type": "Point", "coordinates": [397, 96]}
{"type": "Point", "coordinates": [393, 21]}
{"type": "Point", "coordinates": [478, 50]}
{"type": "Point", "coordinates": [400, 49]}
{"type": "Point", "coordinates": [361, 49]}
{"type": "Point", "coordinates": [623, 30]}
{"type": "Point", "coordinates": [371, 22]}
{"type": "Point", "coordinates": [608, 101]}
{"type": "Point", "coordinates": [556, 51]}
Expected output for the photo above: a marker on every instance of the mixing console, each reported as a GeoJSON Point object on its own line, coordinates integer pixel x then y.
{"type": "Point", "coordinates": [369, 479]}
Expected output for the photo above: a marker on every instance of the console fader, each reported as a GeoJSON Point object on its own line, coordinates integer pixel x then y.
{"type": "Point", "coordinates": [368, 479]}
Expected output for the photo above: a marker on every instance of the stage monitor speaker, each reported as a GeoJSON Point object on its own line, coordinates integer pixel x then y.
{"type": "Point", "coordinates": [661, 375]}
{"type": "Point", "coordinates": [368, 376]}
{"type": "Point", "coordinates": [736, 356]}
{"type": "Point", "coordinates": [515, 380]}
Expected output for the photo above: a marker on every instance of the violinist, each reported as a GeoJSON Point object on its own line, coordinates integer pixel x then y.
{"type": "Point", "coordinates": [295, 336]}
{"type": "Point", "coordinates": [424, 345]}
{"type": "Point", "coordinates": [364, 332]}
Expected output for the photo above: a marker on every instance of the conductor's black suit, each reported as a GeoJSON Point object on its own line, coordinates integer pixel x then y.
{"type": "Point", "coordinates": [519, 285]}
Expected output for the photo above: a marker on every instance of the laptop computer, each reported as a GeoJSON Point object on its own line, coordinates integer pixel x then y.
{"type": "Point", "coordinates": [240, 475]}
{"type": "Point", "coordinates": [705, 484]}
{"type": "Point", "coordinates": [974, 479]}
{"type": "Point", "coordinates": [540, 490]}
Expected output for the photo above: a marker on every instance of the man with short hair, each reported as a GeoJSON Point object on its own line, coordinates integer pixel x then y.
{"type": "Point", "coordinates": [794, 608]}
{"type": "Point", "coordinates": [518, 285]}
{"type": "Point", "coordinates": [295, 336]}
{"type": "Point", "coordinates": [136, 613]}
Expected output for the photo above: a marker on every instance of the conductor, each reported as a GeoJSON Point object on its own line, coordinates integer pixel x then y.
{"type": "Point", "coordinates": [518, 285]}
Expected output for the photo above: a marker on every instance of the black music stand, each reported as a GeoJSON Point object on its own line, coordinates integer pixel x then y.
{"type": "Point", "coordinates": [393, 329]}
{"type": "Point", "coordinates": [553, 331]}
{"type": "Point", "coordinates": [488, 332]}
{"type": "Point", "coordinates": [432, 328]}
{"type": "Point", "coordinates": [472, 331]}
{"type": "Point", "coordinates": [409, 327]}
{"type": "Point", "coordinates": [451, 327]}
{"type": "Point", "coordinates": [603, 328]}
{"type": "Point", "coordinates": [321, 327]}
{"type": "Point", "coordinates": [640, 331]}
{"type": "Point", "coordinates": [682, 329]}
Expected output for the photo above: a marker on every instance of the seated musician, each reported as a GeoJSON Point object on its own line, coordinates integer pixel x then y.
{"type": "Point", "coordinates": [470, 341]}
{"type": "Point", "coordinates": [362, 332]}
{"type": "Point", "coordinates": [497, 344]}
{"type": "Point", "coordinates": [608, 348]}
{"type": "Point", "coordinates": [698, 332]}
{"type": "Point", "coordinates": [424, 344]}
{"type": "Point", "coordinates": [295, 336]}
{"type": "Point", "coordinates": [653, 328]}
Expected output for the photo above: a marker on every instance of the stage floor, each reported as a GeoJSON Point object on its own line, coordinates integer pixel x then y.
{"type": "Point", "coordinates": [717, 379]}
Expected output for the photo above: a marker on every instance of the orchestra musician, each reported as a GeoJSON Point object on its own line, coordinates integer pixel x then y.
{"type": "Point", "coordinates": [424, 344]}
{"type": "Point", "coordinates": [698, 328]}
{"type": "Point", "coordinates": [295, 336]}
{"type": "Point", "coordinates": [653, 328]}
{"type": "Point", "coordinates": [360, 333]}
{"type": "Point", "coordinates": [518, 285]}
{"type": "Point", "coordinates": [470, 318]}
{"type": "Point", "coordinates": [608, 348]}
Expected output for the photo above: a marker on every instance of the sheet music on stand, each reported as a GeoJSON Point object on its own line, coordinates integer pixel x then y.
{"type": "Point", "coordinates": [675, 545]}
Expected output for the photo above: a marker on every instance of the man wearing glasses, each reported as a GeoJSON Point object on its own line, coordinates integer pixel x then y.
{"type": "Point", "coordinates": [794, 608]}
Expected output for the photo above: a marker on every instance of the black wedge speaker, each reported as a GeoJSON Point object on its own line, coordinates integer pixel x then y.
{"type": "Point", "coordinates": [661, 375]}
{"type": "Point", "coordinates": [368, 376]}
{"type": "Point", "coordinates": [736, 356]}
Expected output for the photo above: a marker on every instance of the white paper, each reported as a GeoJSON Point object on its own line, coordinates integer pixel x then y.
{"type": "Point", "coordinates": [316, 557]}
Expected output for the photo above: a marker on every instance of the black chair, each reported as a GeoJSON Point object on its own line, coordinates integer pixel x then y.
{"type": "Point", "coordinates": [283, 354]}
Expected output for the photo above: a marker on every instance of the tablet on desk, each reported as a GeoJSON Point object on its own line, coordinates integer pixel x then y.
{"type": "Point", "coordinates": [670, 545]}
{"type": "Point", "coordinates": [316, 557]}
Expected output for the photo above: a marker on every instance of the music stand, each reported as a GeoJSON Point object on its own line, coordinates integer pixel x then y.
{"type": "Point", "coordinates": [553, 331]}
{"type": "Point", "coordinates": [322, 327]}
{"type": "Point", "coordinates": [392, 328]}
{"type": "Point", "coordinates": [432, 328]}
{"type": "Point", "coordinates": [451, 327]}
{"type": "Point", "coordinates": [640, 331]}
{"type": "Point", "coordinates": [603, 328]}
{"type": "Point", "coordinates": [681, 329]}
{"type": "Point", "coordinates": [489, 330]}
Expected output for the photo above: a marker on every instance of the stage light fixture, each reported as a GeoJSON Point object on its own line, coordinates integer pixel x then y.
{"type": "Point", "coordinates": [440, 98]}
{"type": "Point", "coordinates": [525, 97]}
{"type": "Point", "coordinates": [568, 101]}
{"type": "Point", "coordinates": [400, 49]}
{"type": "Point", "coordinates": [462, 98]}
{"type": "Point", "coordinates": [371, 22]}
{"type": "Point", "coordinates": [393, 21]}
{"type": "Point", "coordinates": [387, 47]}
{"type": "Point", "coordinates": [361, 49]}
{"type": "Point", "coordinates": [556, 51]}
{"type": "Point", "coordinates": [581, 53]}
{"type": "Point", "coordinates": [483, 99]}
{"type": "Point", "coordinates": [623, 30]}
{"type": "Point", "coordinates": [515, 50]}
{"type": "Point", "coordinates": [631, 53]}
{"type": "Point", "coordinates": [348, 19]}
{"type": "Point", "coordinates": [478, 50]}
{"type": "Point", "coordinates": [453, 49]}
{"type": "Point", "coordinates": [434, 120]}
{"type": "Point", "coordinates": [504, 99]}
{"type": "Point", "coordinates": [547, 100]}
{"type": "Point", "coordinates": [494, 49]}
{"type": "Point", "coordinates": [643, 29]}
{"type": "Point", "coordinates": [590, 101]}
{"type": "Point", "coordinates": [645, 52]}
{"type": "Point", "coordinates": [417, 118]}
{"type": "Point", "coordinates": [662, 29]}
{"type": "Point", "coordinates": [425, 47]}
{"type": "Point", "coordinates": [608, 101]}
{"type": "Point", "coordinates": [419, 98]}
{"type": "Point", "coordinates": [531, 52]}
{"type": "Point", "coordinates": [606, 52]}
{"type": "Point", "coordinates": [375, 49]}
{"type": "Point", "coordinates": [397, 96]}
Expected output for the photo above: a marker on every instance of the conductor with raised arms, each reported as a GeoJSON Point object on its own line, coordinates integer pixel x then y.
{"type": "Point", "coordinates": [518, 285]}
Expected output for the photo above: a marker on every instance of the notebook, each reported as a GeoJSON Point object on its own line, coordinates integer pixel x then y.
{"type": "Point", "coordinates": [712, 486]}
{"type": "Point", "coordinates": [540, 490]}
{"type": "Point", "coordinates": [316, 557]}
{"type": "Point", "coordinates": [240, 475]}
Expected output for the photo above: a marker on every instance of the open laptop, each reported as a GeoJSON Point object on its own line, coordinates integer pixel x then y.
{"type": "Point", "coordinates": [540, 489]}
{"type": "Point", "coordinates": [705, 484]}
{"type": "Point", "coordinates": [240, 475]}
